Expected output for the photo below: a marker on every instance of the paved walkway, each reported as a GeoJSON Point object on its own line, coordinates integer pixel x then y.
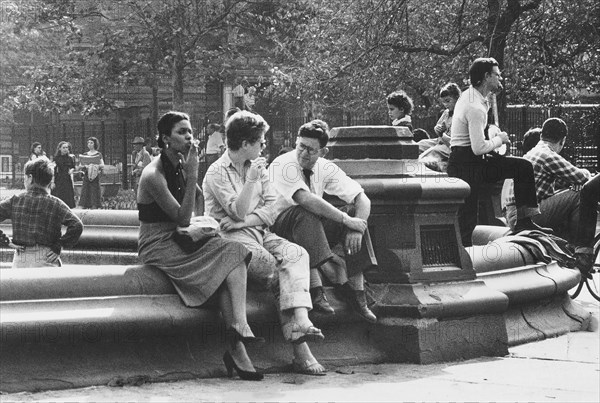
{"type": "Point", "coordinates": [563, 369]}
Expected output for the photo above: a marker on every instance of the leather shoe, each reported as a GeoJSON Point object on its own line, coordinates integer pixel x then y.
{"type": "Point", "coordinates": [361, 307]}
{"type": "Point", "coordinates": [357, 299]}
{"type": "Point", "coordinates": [319, 301]}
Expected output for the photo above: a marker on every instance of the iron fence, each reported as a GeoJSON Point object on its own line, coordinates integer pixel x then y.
{"type": "Point", "coordinates": [115, 137]}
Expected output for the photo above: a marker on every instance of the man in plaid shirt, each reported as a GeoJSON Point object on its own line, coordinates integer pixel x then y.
{"type": "Point", "coordinates": [562, 208]}
{"type": "Point", "coordinates": [37, 219]}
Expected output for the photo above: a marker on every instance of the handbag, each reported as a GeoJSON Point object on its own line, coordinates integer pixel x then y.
{"type": "Point", "coordinates": [195, 235]}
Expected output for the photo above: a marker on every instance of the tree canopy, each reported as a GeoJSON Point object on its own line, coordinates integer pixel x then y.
{"type": "Point", "coordinates": [345, 54]}
{"type": "Point", "coordinates": [350, 54]}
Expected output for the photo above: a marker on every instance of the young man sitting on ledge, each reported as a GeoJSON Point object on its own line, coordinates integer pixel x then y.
{"type": "Point", "coordinates": [301, 177]}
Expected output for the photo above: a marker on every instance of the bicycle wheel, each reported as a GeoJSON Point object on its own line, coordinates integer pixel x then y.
{"type": "Point", "coordinates": [575, 293]}
{"type": "Point", "coordinates": [593, 284]}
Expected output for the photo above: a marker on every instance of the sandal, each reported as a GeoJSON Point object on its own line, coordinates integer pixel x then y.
{"type": "Point", "coordinates": [308, 367]}
{"type": "Point", "coordinates": [295, 335]}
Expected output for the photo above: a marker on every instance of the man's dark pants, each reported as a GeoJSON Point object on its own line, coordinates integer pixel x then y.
{"type": "Point", "coordinates": [317, 235]}
{"type": "Point", "coordinates": [478, 170]}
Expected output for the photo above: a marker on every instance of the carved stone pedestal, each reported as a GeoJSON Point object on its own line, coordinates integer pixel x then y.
{"type": "Point", "coordinates": [429, 304]}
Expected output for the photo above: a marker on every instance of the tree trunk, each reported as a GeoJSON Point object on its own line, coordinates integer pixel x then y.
{"type": "Point", "coordinates": [178, 80]}
{"type": "Point", "coordinates": [499, 24]}
{"type": "Point", "coordinates": [154, 114]}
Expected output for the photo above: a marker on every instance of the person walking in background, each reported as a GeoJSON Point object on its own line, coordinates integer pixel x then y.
{"type": "Point", "coordinates": [141, 160]}
{"type": "Point", "coordinates": [37, 219]}
{"type": "Point", "coordinates": [167, 197]}
{"type": "Point", "coordinates": [64, 166]}
{"type": "Point", "coordinates": [92, 165]}
{"type": "Point", "coordinates": [471, 159]}
{"type": "Point", "coordinates": [250, 99]}
{"type": "Point", "coordinates": [238, 93]}
{"type": "Point", "coordinates": [36, 151]}
{"type": "Point", "coordinates": [400, 106]}
{"type": "Point", "coordinates": [238, 193]}
{"type": "Point", "coordinates": [214, 143]}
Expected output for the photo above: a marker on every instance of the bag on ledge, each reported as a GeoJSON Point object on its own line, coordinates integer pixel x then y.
{"type": "Point", "coordinates": [194, 236]}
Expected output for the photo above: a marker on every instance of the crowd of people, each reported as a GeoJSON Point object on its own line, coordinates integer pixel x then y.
{"type": "Point", "coordinates": [276, 229]}
{"type": "Point", "coordinates": [89, 164]}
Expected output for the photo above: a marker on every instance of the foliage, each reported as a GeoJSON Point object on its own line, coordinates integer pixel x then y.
{"type": "Point", "coordinates": [104, 45]}
{"type": "Point", "coordinates": [69, 55]}
{"type": "Point", "coordinates": [43, 63]}
{"type": "Point", "coordinates": [124, 200]}
{"type": "Point", "coordinates": [555, 53]}
{"type": "Point", "coordinates": [350, 54]}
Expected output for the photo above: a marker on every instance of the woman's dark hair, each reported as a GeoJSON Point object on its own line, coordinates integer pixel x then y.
{"type": "Point", "coordinates": [479, 68]}
{"type": "Point", "coordinates": [246, 126]}
{"type": "Point", "coordinates": [315, 129]}
{"type": "Point", "coordinates": [60, 144]}
{"type": "Point", "coordinates": [401, 100]}
{"type": "Point", "coordinates": [40, 170]}
{"type": "Point", "coordinates": [95, 141]}
{"type": "Point", "coordinates": [166, 124]}
{"type": "Point", "coordinates": [450, 90]}
{"type": "Point", "coordinates": [33, 146]}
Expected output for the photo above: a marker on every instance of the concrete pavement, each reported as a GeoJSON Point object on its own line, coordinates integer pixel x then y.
{"type": "Point", "coordinates": [563, 369]}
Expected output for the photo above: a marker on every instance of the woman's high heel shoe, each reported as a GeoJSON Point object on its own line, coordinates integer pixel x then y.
{"type": "Point", "coordinates": [245, 375]}
{"type": "Point", "coordinates": [233, 336]}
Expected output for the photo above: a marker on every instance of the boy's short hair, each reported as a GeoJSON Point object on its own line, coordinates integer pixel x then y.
{"type": "Point", "coordinates": [315, 129]}
{"type": "Point", "coordinates": [40, 170]}
{"type": "Point", "coordinates": [244, 125]}
{"type": "Point", "coordinates": [554, 130]}
{"type": "Point", "coordinates": [401, 100]}
{"type": "Point", "coordinates": [530, 139]}
{"type": "Point", "coordinates": [450, 90]}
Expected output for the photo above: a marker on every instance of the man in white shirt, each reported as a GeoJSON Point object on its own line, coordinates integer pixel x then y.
{"type": "Point", "coordinates": [301, 177]}
{"type": "Point", "coordinates": [472, 158]}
